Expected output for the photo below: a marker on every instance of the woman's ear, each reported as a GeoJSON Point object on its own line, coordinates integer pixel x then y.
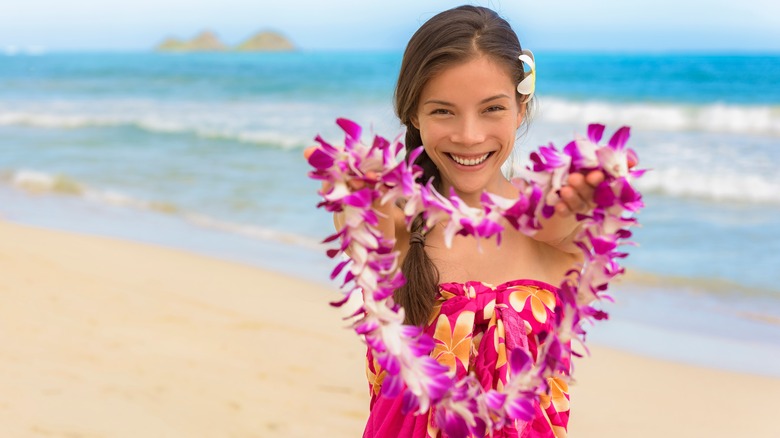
{"type": "Point", "coordinates": [415, 121]}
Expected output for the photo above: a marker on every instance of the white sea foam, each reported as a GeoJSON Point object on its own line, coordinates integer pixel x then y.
{"type": "Point", "coordinates": [709, 118]}
{"type": "Point", "coordinates": [270, 125]}
{"type": "Point", "coordinates": [41, 183]}
{"type": "Point", "coordinates": [253, 231]}
{"type": "Point", "coordinates": [716, 186]}
{"type": "Point", "coordinates": [292, 124]}
{"type": "Point", "coordinates": [34, 181]}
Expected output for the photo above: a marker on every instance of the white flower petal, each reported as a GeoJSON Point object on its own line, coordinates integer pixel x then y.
{"type": "Point", "coordinates": [526, 86]}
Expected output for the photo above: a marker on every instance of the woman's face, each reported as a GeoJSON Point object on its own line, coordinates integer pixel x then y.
{"type": "Point", "coordinates": [468, 117]}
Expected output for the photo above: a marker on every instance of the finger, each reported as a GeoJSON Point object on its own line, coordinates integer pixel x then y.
{"type": "Point", "coordinates": [356, 184]}
{"type": "Point", "coordinates": [372, 175]}
{"type": "Point", "coordinates": [575, 180]}
{"type": "Point", "coordinates": [594, 178]}
{"type": "Point", "coordinates": [562, 209]}
{"type": "Point", "coordinates": [581, 186]}
{"type": "Point", "coordinates": [574, 200]}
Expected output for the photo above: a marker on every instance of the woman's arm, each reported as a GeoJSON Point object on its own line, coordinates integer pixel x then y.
{"type": "Point", "coordinates": [562, 227]}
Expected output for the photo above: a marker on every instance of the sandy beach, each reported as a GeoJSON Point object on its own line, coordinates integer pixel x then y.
{"type": "Point", "coordinates": [109, 338]}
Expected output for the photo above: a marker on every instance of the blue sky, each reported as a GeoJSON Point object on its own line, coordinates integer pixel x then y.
{"type": "Point", "coordinates": [600, 25]}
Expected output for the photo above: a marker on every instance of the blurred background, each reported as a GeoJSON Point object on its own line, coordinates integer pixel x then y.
{"type": "Point", "coordinates": [107, 128]}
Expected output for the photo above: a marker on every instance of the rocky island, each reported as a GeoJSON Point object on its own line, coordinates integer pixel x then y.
{"type": "Point", "coordinates": [266, 41]}
{"type": "Point", "coordinates": [207, 41]}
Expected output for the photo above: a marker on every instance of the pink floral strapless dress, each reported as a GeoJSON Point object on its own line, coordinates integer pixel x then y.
{"type": "Point", "coordinates": [474, 326]}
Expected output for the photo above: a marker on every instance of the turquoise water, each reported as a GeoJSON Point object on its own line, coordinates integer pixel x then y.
{"type": "Point", "coordinates": [213, 143]}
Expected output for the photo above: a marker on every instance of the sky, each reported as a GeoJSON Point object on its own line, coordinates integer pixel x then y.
{"type": "Point", "coordinates": [566, 25]}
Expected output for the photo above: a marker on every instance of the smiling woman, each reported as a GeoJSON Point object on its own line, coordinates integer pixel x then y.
{"type": "Point", "coordinates": [462, 93]}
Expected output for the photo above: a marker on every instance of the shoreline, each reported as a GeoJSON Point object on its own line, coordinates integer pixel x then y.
{"type": "Point", "coordinates": [647, 319]}
{"type": "Point", "coordinates": [118, 338]}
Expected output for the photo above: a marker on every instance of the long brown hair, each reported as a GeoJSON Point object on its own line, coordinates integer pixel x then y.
{"type": "Point", "coordinates": [451, 37]}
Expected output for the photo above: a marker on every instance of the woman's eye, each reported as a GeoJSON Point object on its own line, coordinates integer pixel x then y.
{"type": "Point", "coordinates": [440, 111]}
{"type": "Point", "coordinates": [495, 108]}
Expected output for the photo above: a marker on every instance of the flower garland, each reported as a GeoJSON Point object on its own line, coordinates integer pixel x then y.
{"type": "Point", "coordinates": [357, 176]}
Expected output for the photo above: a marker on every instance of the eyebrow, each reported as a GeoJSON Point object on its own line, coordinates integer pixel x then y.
{"type": "Point", "coordinates": [445, 103]}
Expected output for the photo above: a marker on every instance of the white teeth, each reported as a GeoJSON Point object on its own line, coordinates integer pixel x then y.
{"type": "Point", "coordinates": [469, 161]}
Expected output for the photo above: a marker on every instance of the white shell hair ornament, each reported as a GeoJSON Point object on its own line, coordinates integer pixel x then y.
{"type": "Point", "coordinates": [528, 84]}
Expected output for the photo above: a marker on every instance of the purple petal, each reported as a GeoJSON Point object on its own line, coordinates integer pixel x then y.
{"type": "Point", "coordinates": [495, 400]}
{"type": "Point", "coordinates": [602, 245]}
{"type": "Point", "coordinates": [423, 346]}
{"type": "Point", "coordinates": [488, 228]}
{"type": "Point", "coordinates": [414, 154]}
{"type": "Point", "coordinates": [337, 270]}
{"type": "Point", "coordinates": [392, 385]}
{"type": "Point", "coordinates": [619, 138]}
{"type": "Point", "coordinates": [409, 403]}
{"type": "Point", "coordinates": [389, 363]}
{"type": "Point", "coordinates": [603, 196]}
{"type": "Point", "coordinates": [595, 131]}
{"type": "Point", "coordinates": [380, 143]}
{"type": "Point", "coordinates": [360, 199]}
{"type": "Point", "coordinates": [630, 198]}
{"type": "Point", "coordinates": [453, 425]}
{"type": "Point", "coordinates": [432, 367]}
{"type": "Point", "coordinates": [410, 331]}
{"type": "Point", "coordinates": [548, 211]}
{"type": "Point", "coordinates": [573, 151]}
{"type": "Point", "coordinates": [340, 302]}
{"type": "Point", "coordinates": [439, 385]}
{"type": "Point", "coordinates": [554, 356]}
{"type": "Point", "coordinates": [376, 344]}
{"type": "Point", "coordinates": [520, 409]}
{"type": "Point", "coordinates": [320, 159]}
{"type": "Point", "coordinates": [638, 173]}
{"type": "Point", "coordinates": [333, 237]}
{"type": "Point", "coordinates": [351, 128]}
{"type": "Point", "coordinates": [361, 310]}
{"type": "Point", "coordinates": [366, 327]}
{"type": "Point", "coordinates": [623, 234]}
{"type": "Point", "coordinates": [519, 361]}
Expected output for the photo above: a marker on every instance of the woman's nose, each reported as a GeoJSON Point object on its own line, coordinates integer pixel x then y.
{"type": "Point", "coordinates": [469, 132]}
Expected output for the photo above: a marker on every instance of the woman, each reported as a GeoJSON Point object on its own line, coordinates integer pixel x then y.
{"type": "Point", "coordinates": [462, 93]}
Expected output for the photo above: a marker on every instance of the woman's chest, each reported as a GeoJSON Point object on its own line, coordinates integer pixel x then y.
{"type": "Point", "coordinates": [469, 259]}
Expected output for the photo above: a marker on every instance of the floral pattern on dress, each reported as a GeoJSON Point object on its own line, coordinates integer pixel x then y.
{"type": "Point", "coordinates": [453, 344]}
{"type": "Point", "coordinates": [474, 326]}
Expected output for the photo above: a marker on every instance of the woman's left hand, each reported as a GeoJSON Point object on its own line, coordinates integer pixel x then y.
{"type": "Point", "coordinates": [577, 195]}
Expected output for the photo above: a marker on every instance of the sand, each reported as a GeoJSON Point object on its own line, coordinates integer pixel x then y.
{"type": "Point", "coordinates": [109, 338]}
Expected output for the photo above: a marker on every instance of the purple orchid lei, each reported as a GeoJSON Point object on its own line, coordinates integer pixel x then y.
{"type": "Point", "coordinates": [359, 176]}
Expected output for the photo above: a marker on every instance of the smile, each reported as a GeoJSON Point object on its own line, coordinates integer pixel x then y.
{"type": "Point", "coordinates": [470, 161]}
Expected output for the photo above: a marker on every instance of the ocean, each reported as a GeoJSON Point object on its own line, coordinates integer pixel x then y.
{"type": "Point", "coordinates": [204, 152]}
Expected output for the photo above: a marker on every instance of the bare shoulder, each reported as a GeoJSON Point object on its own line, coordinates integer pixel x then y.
{"type": "Point", "coordinates": [557, 262]}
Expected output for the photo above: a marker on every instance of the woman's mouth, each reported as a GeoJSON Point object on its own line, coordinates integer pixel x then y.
{"type": "Point", "coordinates": [469, 161]}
